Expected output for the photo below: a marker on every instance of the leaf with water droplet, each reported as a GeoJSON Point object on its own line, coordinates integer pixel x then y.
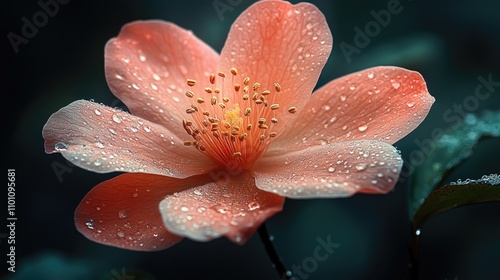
{"type": "Point", "coordinates": [445, 152]}
{"type": "Point", "coordinates": [452, 196]}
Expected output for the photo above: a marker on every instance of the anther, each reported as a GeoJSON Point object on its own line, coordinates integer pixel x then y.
{"type": "Point", "coordinates": [213, 101]}
{"type": "Point", "coordinates": [275, 106]}
{"type": "Point", "coordinates": [274, 120]}
{"type": "Point", "coordinates": [247, 111]}
{"type": "Point", "coordinates": [234, 71]}
{"type": "Point", "coordinates": [236, 154]}
{"type": "Point", "coordinates": [212, 78]}
{"type": "Point", "coordinates": [273, 134]}
{"type": "Point", "coordinates": [206, 113]}
{"type": "Point", "coordinates": [221, 74]}
{"type": "Point", "coordinates": [243, 136]}
{"type": "Point", "coordinates": [249, 126]}
{"type": "Point", "coordinates": [237, 87]}
{"type": "Point", "coordinates": [222, 105]}
{"type": "Point", "coordinates": [255, 96]}
{"type": "Point", "coordinates": [262, 120]}
{"type": "Point", "coordinates": [245, 96]}
{"type": "Point", "coordinates": [266, 92]}
{"type": "Point", "coordinates": [200, 100]}
{"type": "Point", "coordinates": [217, 90]}
{"type": "Point", "coordinates": [292, 110]}
{"type": "Point", "coordinates": [258, 101]}
{"type": "Point", "coordinates": [191, 82]}
{"type": "Point", "coordinates": [277, 87]}
{"type": "Point", "coordinates": [189, 93]}
{"type": "Point", "coordinates": [263, 126]}
{"type": "Point", "coordinates": [262, 137]}
{"type": "Point", "coordinates": [208, 90]}
{"type": "Point", "coordinates": [188, 143]}
{"type": "Point", "coordinates": [225, 99]}
{"type": "Point", "coordinates": [246, 81]}
{"type": "Point", "coordinates": [256, 86]}
{"type": "Point", "coordinates": [190, 110]}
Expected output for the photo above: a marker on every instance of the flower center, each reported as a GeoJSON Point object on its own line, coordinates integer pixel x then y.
{"type": "Point", "coordinates": [233, 122]}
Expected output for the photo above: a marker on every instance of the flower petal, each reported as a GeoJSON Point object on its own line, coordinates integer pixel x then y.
{"type": "Point", "coordinates": [123, 211]}
{"type": "Point", "coordinates": [148, 64]}
{"type": "Point", "coordinates": [103, 139]}
{"type": "Point", "coordinates": [332, 170]}
{"type": "Point", "coordinates": [233, 207]}
{"type": "Point", "coordinates": [275, 41]}
{"type": "Point", "coordinates": [381, 103]}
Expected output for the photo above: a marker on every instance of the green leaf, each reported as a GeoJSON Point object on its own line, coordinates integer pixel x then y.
{"type": "Point", "coordinates": [445, 150]}
{"type": "Point", "coordinates": [486, 189]}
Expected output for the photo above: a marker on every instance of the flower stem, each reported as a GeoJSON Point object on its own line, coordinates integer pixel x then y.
{"type": "Point", "coordinates": [278, 264]}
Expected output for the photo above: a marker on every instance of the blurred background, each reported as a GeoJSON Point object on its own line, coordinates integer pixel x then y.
{"type": "Point", "coordinates": [451, 44]}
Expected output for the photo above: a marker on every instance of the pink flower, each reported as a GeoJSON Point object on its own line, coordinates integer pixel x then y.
{"type": "Point", "coordinates": [215, 143]}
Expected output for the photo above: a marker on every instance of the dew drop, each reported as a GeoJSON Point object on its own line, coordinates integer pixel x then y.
{"type": "Point", "coordinates": [184, 209]}
{"type": "Point", "coordinates": [60, 146]}
{"type": "Point", "coordinates": [331, 169]}
{"type": "Point", "coordinates": [97, 163]}
{"type": "Point", "coordinates": [120, 234]}
{"type": "Point", "coordinates": [362, 128]}
{"type": "Point", "coordinates": [90, 224]}
{"type": "Point", "coordinates": [253, 205]}
{"type": "Point", "coordinates": [396, 85]}
{"type": "Point", "coordinates": [410, 104]}
{"type": "Point", "coordinates": [147, 129]}
{"type": "Point", "coordinates": [370, 75]}
{"type": "Point", "coordinates": [97, 112]}
{"type": "Point", "coordinates": [122, 214]}
{"type": "Point", "coordinates": [343, 98]}
{"type": "Point", "coordinates": [116, 119]}
{"type": "Point", "coordinates": [198, 192]}
{"type": "Point", "coordinates": [360, 166]}
{"type": "Point", "coordinates": [352, 87]}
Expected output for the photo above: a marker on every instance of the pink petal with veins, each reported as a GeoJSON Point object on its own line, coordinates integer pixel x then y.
{"type": "Point", "coordinates": [103, 139]}
{"type": "Point", "coordinates": [380, 103]}
{"type": "Point", "coordinates": [123, 211]}
{"type": "Point", "coordinates": [232, 207]}
{"type": "Point", "coordinates": [148, 64]}
{"type": "Point", "coordinates": [333, 170]}
{"type": "Point", "coordinates": [275, 41]}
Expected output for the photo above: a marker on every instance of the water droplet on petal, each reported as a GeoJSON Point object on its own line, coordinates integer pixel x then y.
{"type": "Point", "coordinates": [122, 214]}
{"type": "Point", "coordinates": [116, 119]}
{"type": "Point", "coordinates": [352, 87]}
{"type": "Point", "coordinates": [396, 85]}
{"type": "Point", "coordinates": [362, 128]}
{"type": "Point", "coordinates": [331, 169]}
{"type": "Point", "coordinates": [360, 166]}
{"type": "Point", "coordinates": [60, 146]}
{"type": "Point", "coordinates": [370, 75]}
{"type": "Point", "coordinates": [253, 205]}
{"type": "Point", "coordinates": [343, 98]}
{"type": "Point", "coordinates": [120, 234]}
{"type": "Point", "coordinates": [90, 224]}
{"type": "Point", "coordinates": [97, 112]}
{"type": "Point", "coordinates": [198, 192]}
{"type": "Point", "coordinates": [184, 209]}
{"type": "Point", "coordinates": [410, 104]}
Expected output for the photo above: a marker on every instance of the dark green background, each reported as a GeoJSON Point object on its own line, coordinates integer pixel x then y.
{"type": "Point", "coordinates": [450, 42]}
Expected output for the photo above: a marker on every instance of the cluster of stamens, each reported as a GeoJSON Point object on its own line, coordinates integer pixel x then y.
{"type": "Point", "coordinates": [232, 131]}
